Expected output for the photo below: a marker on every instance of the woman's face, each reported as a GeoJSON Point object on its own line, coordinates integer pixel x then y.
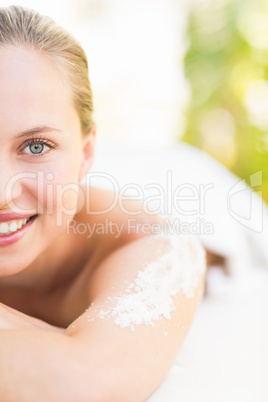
{"type": "Point", "coordinates": [42, 156]}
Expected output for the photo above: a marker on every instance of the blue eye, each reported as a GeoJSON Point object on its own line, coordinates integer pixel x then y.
{"type": "Point", "coordinates": [36, 148]}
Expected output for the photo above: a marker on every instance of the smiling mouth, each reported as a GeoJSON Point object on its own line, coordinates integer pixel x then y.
{"type": "Point", "coordinates": [11, 227]}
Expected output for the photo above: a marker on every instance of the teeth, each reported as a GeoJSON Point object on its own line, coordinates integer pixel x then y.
{"type": "Point", "coordinates": [4, 228]}
{"type": "Point", "coordinates": [12, 226]}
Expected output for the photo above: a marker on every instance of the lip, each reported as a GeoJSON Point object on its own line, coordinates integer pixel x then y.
{"type": "Point", "coordinates": [14, 237]}
{"type": "Point", "coordinates": [9, 216]}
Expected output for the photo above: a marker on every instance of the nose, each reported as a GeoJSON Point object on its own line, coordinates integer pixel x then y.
{"type": "Point", "coordinates": [10, 186]}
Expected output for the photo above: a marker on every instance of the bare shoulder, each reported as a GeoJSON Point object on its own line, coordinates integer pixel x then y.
{"type": "Point", "coordinates": [101, 205]}
{"type": "Point", "coordinates": [170, 262]}
{"type": "Point", "coordinates": [117, 230]}
{"type": "Point", "coordinates": [143, 298]}
{"type": "Point", "coordinates": [107, 220]}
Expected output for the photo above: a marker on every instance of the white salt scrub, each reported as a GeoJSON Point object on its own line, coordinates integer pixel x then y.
{"type": "Point", "coordinates": [149, 297]}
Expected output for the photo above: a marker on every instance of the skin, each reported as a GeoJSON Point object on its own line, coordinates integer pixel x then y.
{"type": "Point", "coordinates": [54, 348]}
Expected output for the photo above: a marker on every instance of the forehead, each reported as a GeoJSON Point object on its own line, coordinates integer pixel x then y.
{"type": "Point", "coordinates": [32, 90]}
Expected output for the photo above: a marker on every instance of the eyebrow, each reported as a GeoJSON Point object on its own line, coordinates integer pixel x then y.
{"type": "Point", "coordinates": [35, 130]}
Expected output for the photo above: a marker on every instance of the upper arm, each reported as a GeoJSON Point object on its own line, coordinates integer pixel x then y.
{"type": "Point", "coordinates": [143, 298]}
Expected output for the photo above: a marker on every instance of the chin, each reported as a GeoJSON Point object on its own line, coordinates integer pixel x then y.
{"type": "Point", "coordinates": [18, 251]}
{"type": "Point", "coordinates": [11, 268]}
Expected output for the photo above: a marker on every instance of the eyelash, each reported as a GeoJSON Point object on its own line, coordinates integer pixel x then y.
{"type": "Point", "coordinates": [39, 140]}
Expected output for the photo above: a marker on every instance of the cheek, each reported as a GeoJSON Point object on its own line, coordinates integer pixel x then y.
{"type": "Point", "coordinates": [59, 196]}
{"type": "Point", "coordinates": [55, 189]}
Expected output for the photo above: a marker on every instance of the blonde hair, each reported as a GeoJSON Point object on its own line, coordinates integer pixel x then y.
{"type": "Point", "coordinates": [22, 26]}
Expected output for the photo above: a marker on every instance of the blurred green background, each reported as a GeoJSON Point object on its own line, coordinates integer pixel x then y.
{"type": "Point", "coordinates": [226, 65]}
